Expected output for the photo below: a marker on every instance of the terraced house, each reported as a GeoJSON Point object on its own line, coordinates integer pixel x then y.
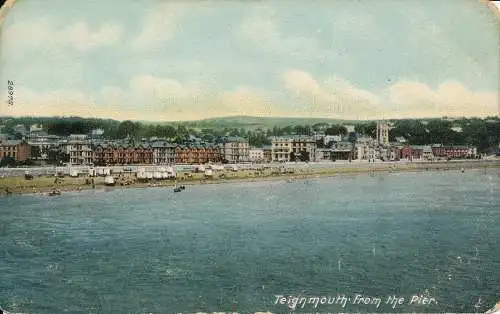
{"type": "Point", "coordinates": [197, 154]}
{"type": "Point", "coordinates": [122, 154]}
{"type": "Point", "coordinates": [16, 149]}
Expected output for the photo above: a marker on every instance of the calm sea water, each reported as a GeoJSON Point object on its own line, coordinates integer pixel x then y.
{"type": "Point", "coordinates": [234, 247]}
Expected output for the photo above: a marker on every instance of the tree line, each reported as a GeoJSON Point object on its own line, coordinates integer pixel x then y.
{"type": "Point", "coordinates": [482, 133]}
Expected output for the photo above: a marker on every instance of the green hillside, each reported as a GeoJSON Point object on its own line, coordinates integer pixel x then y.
{"type": "Point", "coordinates": [248, 122]}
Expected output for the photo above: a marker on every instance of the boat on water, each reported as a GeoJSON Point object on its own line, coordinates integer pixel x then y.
{"type": "Point", "coordinates": [54, 192]}
{"type": "Point", "coordinates": [179, 188]}
{"type": "Point", "coordinates": [109, 181]}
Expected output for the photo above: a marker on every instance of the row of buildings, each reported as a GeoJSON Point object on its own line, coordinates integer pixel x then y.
{"type": "Point", "coordinates": [89, 149]}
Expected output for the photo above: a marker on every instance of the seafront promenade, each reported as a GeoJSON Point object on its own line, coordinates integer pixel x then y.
{"type": "Point", "coordinates": [12, 180]}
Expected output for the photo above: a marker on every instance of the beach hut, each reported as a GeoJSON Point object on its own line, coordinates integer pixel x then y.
{"type": "Point", "coordinates": [107, 171]}
{"type": "Point", "coordinates": [109, 181]}
{"type": "Point", "coordinates": [157, 175]}
{"type": "Point", "coordinates": [28, 175]}
{"type": "Point", "coordinates": [73, 173]}
{"type": "Point", "coordinates": [100, 172]}
{"type": "Point", "coordinates": [92, 172]}
{"type": "Point", "coordinates": [209, 173]}
{"type": "Point", "coordinates": [172, 174]}
{"type": "Point", "coordinates": [59, 172]}
{"type": "Point", "coordinates": [141, 175]}
{"type": "Point", "coordinates": [149, 175]}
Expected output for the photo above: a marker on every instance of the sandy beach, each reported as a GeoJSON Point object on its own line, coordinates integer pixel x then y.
{"type": "Point", "coordinates": [45, 184]}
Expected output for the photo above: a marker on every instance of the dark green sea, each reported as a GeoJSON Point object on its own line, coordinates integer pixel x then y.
{"type": "Point", "coordinates": [235, 247]}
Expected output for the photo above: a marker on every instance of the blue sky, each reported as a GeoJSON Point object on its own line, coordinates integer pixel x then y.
{"type": "Point", "coordinates": [184, 60]}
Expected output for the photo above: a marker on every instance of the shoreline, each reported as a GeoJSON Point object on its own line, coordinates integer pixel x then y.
{"type": "Point", "coordinates": [45, 184]}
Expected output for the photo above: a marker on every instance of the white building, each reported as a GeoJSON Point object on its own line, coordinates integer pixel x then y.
{"type": "Point", "coordinates": [256, 155]}
{"type": "Point", "coordinates": [332, 138]}
{"type": "Point", "coordinates": [43, 144]}
{"type": "Point", "coordinates": [235, 149]}
{"type": "Point", "coordinates": [79, 150]}
{"type": "Point", "coordinates": [365, 149]}
{"type": "Point", "coordinates": [383, 133]}
{"type": "Point", "coordinates": [163, 153]}
{"type": "Point", "coordinates": [284, 148]}
{"type": "Point", "coordinates": [350, 128]}
{"type": "Point", "coordinates": [323, 154]}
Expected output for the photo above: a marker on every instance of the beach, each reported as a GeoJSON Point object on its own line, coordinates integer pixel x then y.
{"type": "Point", "coordinates": [290, 171]}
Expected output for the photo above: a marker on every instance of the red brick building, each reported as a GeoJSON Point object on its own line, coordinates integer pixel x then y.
{"type": "Point", "coordinates": [453, 151]}
{"type": "Point", "coordinates": [17, 149]}
{"type": "Point", "coordinates": [411, 152]}
{"type": "Point", "coordinates": [198, 154]}
{"type": "Point", "coordinates": [122, 154]}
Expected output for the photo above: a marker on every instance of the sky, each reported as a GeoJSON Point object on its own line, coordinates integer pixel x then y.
{"type": "Point", "coordinates": [187, 60]}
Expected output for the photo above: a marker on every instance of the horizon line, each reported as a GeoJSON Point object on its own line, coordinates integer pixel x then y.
{"type": "Point", "coordinates": [249, 116]}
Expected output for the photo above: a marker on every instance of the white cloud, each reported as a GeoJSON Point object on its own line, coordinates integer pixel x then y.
{"type": "Point", "coordinates": [451, 98]}
{"type": "Point", "coordinates": [158, 98]}
{"type": "Point", "coordinates": [158, 26]}
{"type": "Point", "coordinates": [334, 97]}
{"type": "Point", "coordinates": [146, 97]}
{"type": "Point", "coordinates": [166, 98]}
{"type": "Point", "coordinates": [42, 34]}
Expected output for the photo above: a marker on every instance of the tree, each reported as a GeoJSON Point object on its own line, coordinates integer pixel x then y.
{"type": "Point", "coordinates": [336, 130]}
{"type": "Point", "coordinates": [56, 157]}
{"type": "Point", "coordinates": [35, 152]}
{"type": "Point", "coordinates": [352, 137]}
{"type": "Point", "coordinates": [7, 161]}
{"type": "Point", "coordinates": [318, 127]}
{"type": "Point", "coordinates": [367, 128]}
{"type": "Point", "coordinates": [320, 143]}
{"type": "Point", "coordinates": [304, 156]}
{"type": "Point", "coordinates": [128, 129]}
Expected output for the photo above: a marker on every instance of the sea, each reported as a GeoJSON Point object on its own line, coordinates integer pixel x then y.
{"type": "Point", "coordinates": [383, 242]}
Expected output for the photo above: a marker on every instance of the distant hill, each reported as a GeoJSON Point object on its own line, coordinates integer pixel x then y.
{"type": "Point", "coordinates": [249, 122]}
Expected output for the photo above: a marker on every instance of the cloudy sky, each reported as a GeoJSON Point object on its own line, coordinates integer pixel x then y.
{"type": "Point", "coordinates": [185, 60]}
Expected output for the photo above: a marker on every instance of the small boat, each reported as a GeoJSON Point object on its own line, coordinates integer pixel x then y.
{"type": "Point", "coordinates": [54, 192]}
{"type": "Point", "coordinates": [179, 188]}
{"type": "Point", "coordinates": [109, 181]}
